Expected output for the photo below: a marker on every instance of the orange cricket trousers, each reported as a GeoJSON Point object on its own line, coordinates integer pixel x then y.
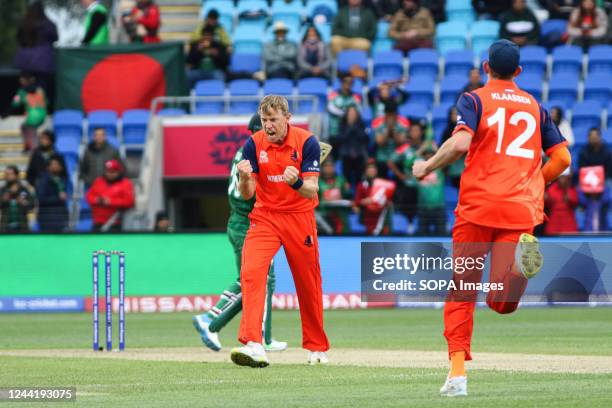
{"type": "Point", "coordinates": [297, 233]}
{"type": "Point", "coordinates": [472, 240]}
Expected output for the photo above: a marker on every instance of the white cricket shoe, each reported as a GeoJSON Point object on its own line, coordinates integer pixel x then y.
{"type": "Point", "coordinates": [317, 357]}
{"type": "Point", "coordinates": [210, 339]}
{"type": "Point", "coordinates": [251, 355]}
{"type": "Point", "coordinates": [454, 387]}
{"type": "Point", "coordinates": [276, 345]}
{"type": "Point", "coordinates": [527, 256]}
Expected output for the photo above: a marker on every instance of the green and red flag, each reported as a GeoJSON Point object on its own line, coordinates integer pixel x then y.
{"type": "Point", "coordinates": [118, 77]}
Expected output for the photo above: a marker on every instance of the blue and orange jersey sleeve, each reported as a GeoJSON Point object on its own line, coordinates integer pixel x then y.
{"type": "Point", "coordinates": [249, 152]}
{"type": "Point", "coordinates": [311, 155]}
{"type": "Point", "coordinates": [551, 137]}
{"type": "Point", "coordinates": [469, 109]}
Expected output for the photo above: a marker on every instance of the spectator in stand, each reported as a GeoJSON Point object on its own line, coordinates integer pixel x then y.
{"type": "Point", "coordinates": [561, 200]}
{"type": "Point", "coordinates": [333, 194]}
{"type": "Point", "coordinates": [588, 24]}
{"type": "Point", "coordinates": [162, 222]}
{"type": "Point", "coordinates": [373, 198]}
{"type": "Point", "coordinates": [385, 92]}
{"type": "Point", "coordinates": [212, 20]}
{"type": "Point", "coordinates": [519, 25]}
{"type": "Point", "coordinates": [412, 27]}
{"type": "Point", "coordinates": [556, 114]}
{"type": "Point", "coordinates": [352, 145]}
{"type": "Point", "coordinates": [207, 58]}
{"type": "Point", "coordinates": [35, 37]}
{"type": "Point", "coordinates": [475, 81]}
{"type": "Point", "coordinates": [109, 196]}
{"type": "Point", "coordinates": [96, 23]}
{"type": "Point", "coordinates": [491, 9]}
{"type": "Point", "coordinates": [454, 170]}
{"type": "Point", "coordinates": [314, 57]}
{"type": "Point", "coordinates": [559, 9]}
{"type": "Point", "coordinates": [385, 129]}
{"type": "Point", "coordinates": [354, 27]}
{"type": "Point", "coordinates": [597, 156]}
{"type": "Point", "coordinates": [431, 204]}
{"type": "Point", "coordinates": [143, 22]}
{"type": "Point", "coordinates": [41, 155]}
{"type": "Point", "coordinates": [31, 98]}
{"type": "Point", "coordinates": [338, 103]}
{"type": "Point", "coordinates": [280, 55]}
{"type": "Point", "coordinates": [15, 202]}
{"type": "Point", "coordinates": [98, 152]}
{"type": "Point", "coordinates": [52, 190]}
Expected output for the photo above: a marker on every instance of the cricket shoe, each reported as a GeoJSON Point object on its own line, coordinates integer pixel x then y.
{"type": "Point", "coordinates": [210, 339]}
{"type": "Point", "coordinates": [276, 345]}
{"type": "Point", "coordinates": [527, 256]}
{"type": "Point", "coordinates": [317, 357]}
{"type": "Point", "coordinates": [251, 355]}
{"type": "Point", "coordinates": [454, 387]}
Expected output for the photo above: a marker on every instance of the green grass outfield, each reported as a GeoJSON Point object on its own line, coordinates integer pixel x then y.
{"type": "Point", "coordinates": [130, 383]}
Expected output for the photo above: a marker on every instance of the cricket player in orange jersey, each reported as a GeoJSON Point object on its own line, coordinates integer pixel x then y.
{"type": "Point", "coordinates": [501, 197]}
{"type": "Point", "coordinates": [281, 167]}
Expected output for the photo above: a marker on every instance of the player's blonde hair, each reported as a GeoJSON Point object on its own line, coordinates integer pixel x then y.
{"type": "Point", "coordinates": [276, 102]}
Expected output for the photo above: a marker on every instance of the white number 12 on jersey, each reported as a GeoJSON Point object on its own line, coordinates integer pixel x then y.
{"type": "Point", "coordinates": [515, 148]}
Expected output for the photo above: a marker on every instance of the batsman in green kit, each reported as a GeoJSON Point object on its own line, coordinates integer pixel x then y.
{"type": "Point", "coordinates": [210, 323]}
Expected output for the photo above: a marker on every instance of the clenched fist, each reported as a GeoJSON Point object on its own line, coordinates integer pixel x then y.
{"type": "Point", "coordinates": [291, 175]}
{"type": "Point", "coordinates": [244, 168]}
{"type": "Point", "coordinates": [419, 169]}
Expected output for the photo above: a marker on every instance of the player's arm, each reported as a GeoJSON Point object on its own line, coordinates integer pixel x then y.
{"type": "Point", "coordinates": [457, 145]}
{"type": "Point", "coordinates": [555, 147]}
{"type": "Point", "coordinates": [308, 186]}
{"type": "Point", "coordinates": [246, 168]}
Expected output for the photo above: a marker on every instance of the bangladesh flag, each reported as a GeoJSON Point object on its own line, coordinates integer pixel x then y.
{"type": "Point", "coordinates": [118, 77]}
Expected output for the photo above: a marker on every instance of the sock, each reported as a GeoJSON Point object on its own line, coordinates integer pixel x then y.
{"type": "Point", "coordinates": [457, 364]}
{"type": "Point", "coordinates": [267, 323]}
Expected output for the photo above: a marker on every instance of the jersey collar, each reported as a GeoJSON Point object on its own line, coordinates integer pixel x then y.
{"type": "Point", "coordinates": [289, 141]}
{"type": "Point", "coordinates": [499, 83]}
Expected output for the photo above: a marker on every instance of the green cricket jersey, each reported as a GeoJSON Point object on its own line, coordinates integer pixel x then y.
{"type": "Point", "coordinates": [239, 207]}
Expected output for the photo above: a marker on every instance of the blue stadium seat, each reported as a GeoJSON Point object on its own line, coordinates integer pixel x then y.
{"type": "Point", "coordinates": [68, 145]}
{"type": "Point", "coordinates": [345, 59]}
{"type": "Point", "coordinates": [244, 64]}
{"type": "Point", "coordinates": [399, 224]}
{"type": "Point", "coordinates": [106, 119]}
{"type": "Point", "coordinates": [423, 62]}
{"type": "Point", "coordinates": [581, 134]}
{"type": "Point", "coordinates": [598, 87]}
{"type": "Point", "coordinates": [248, 40]}
{"type": "Point", "coordinates": [439, 119]}
{"type": "Point", "coordinates": [567, 58]}
{"type": "Point", "coordinates": [278, 86]}
{"type": "Point", "coordinates": [451, 35]}
{"type": "Point", "coordinates": [460, 10]}
{"type": "Point", "coordinates": [68, 124]}
{"type": "Point", "coordinates": [586, 114]}
{"type": "Point", "coordinates": [366, 115]}
{"type": "Point", "coordinates": [563, 87]}
{"type": "Point", "coordinates": [531, 83]}
{"type": "Point", "coordinates": [609, 117]}
{"type": "Point", "coordinates": [222, 6]}
{"type": "Point", "coordinates": [421, 90]}
{"type": "Point", "coordinates": [600, 59]}
{"type": "Point", "coordinates": [134, 126]}
{"type": "Point", "coordinates": [246, 6]}
{"type": "Point", "coordinates": [243, 87]}
{"type": "Point", "coordinates": [458, 62]}
{"type": "Point", "coordinates": [316, 87]}
{"type": "Point", "coordinates": [533, 60]}
{"type": "Point", "coordinates": [71, 161]}
{"type": "Point", "coordinates": [227, 22]}
{"type": "Point", "coordinates": [209, 87]}
{"type": "Point", "coordinates": [451, 87]}
{"type": "Point", "coordinates": [290, 13]}
{"type": "Point", "coordinates": [451, 195]}
{"type": "Point", "coordinates": [316, 9]}
{"type": "Point", "coordinates": [382, 29]}
{"type": "Point", "coordinates": [388, 63]}
{"type": "Point", "coordinates": [413, 111]}
{"type": "Point", "coordinates": [484, 33]}
{"type": "Point", "coordinates": [172, 112]}
{"type": "Point", "coordinates": [354, 225]}
{"type": "Point", "coordinates": [552, 103]}
{"type": "Point", "coordinates": [606, 135]}
{"type": "Point", "coordinates": [382, 44]}
{"type": "Point", "coordinates": [553, 26]}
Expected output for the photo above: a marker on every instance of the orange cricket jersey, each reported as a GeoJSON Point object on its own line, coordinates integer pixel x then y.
{"type": "Point", "coordinates": [502, 185]}
{"type": "Point", "coordinates": [301, 150]}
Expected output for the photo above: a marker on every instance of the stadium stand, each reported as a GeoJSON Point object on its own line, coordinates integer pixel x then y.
{"type": "Point", "coordinates": [458, 62]}
{"type": "Point", "coordinates": [209, 87]}
{"type": "Point", "coordinates": [107, 120]}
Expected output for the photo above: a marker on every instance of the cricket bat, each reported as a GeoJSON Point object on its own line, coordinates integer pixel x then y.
{"type": "Point", "coordinates": [325, 150]}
